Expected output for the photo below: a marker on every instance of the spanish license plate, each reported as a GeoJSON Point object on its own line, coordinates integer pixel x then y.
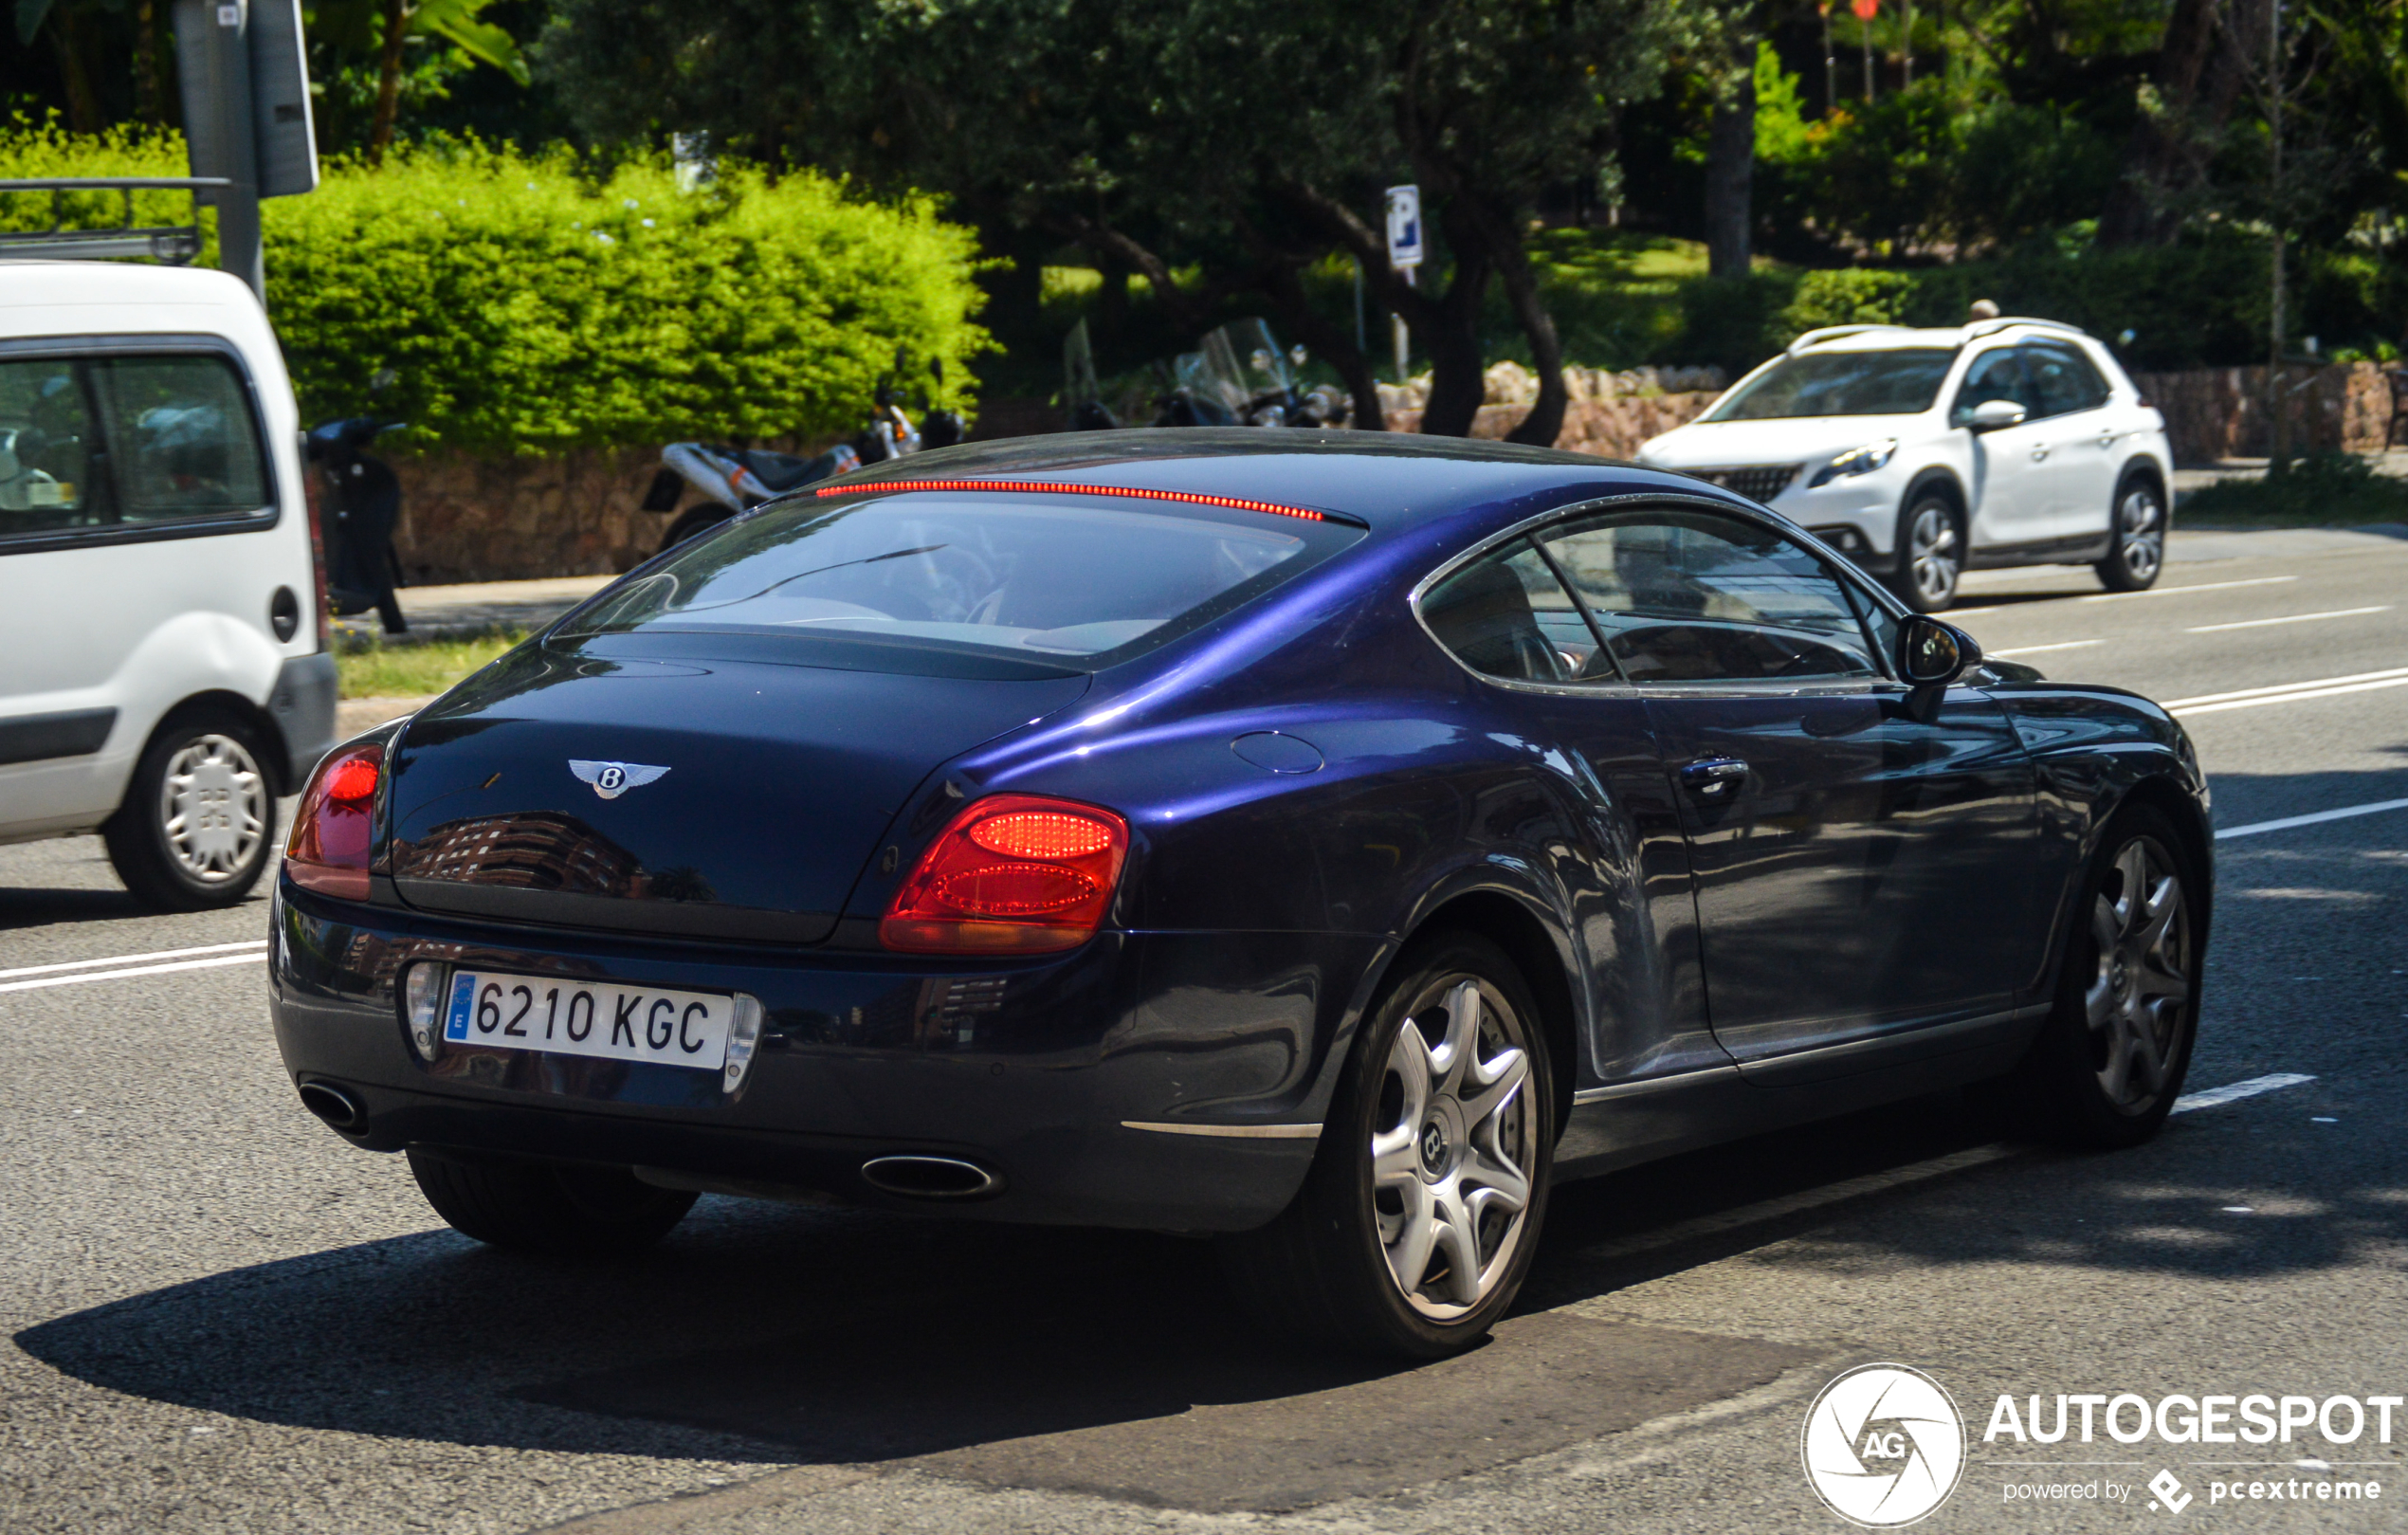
{"type": "Point", "coordinates": [615, 1023]}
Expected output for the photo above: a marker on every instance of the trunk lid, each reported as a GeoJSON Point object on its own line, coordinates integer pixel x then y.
{"type": "Point", "coordinates": [679, 794]}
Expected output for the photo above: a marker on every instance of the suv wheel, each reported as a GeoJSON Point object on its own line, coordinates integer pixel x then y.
{"type": "Point", "coordinates": [2136, 552]}
{"type": "Point", "coordinates": [198, 822]}
{"type": "Point", "coordinates": [1419, 1218]}
{"type": "Point", "coordinates": [1931, 553]}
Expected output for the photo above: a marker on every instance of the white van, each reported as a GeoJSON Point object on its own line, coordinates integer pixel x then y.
{"type": "Point", "coordinates": [164, 672]}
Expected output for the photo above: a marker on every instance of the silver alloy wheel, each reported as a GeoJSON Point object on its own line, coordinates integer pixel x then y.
{"type": "Point", "coordinates": [212, 807]}
{"type": "Point", "coordinates": [2137, 1002]}
{"type": "Point", "coordinates": [1454, 1148]}
{"type": "Point", "coordinates": [2140, 533]}
{"type": "Point", "coordinates": [1933, 561]}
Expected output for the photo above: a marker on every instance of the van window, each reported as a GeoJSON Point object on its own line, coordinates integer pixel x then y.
{"type": "Point", "coordinates": [45, 447]}
{"type": "Point", "coordinates": [181, 433]}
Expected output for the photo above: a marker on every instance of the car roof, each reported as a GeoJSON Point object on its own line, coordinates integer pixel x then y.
{"type": "Point", "coordinates": [1899, 337]}
{"type": "Point", "coordinates": [53, 298]}
{"type": "Point", "coordinates": [1389, 481]}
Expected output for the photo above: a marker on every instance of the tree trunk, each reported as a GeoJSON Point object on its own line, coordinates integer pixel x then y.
{"type": "Point", "coordinates": [66, 40]}
{"type": "Point", "coordinates": [1730, 170]}
{"type": "Point", "coordinates": [146, 63]}
{"type": "Point", "coordinates": [2197, 76]}
{"type": "Point", "coordinates": [1452, 328]}
{"type": "Point", "coordinates": [388, 83]}
{"type": "Point", "coordinates": [1501, 244]}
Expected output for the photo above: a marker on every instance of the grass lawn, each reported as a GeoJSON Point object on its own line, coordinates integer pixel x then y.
{"type": "Point", "coordinates": [372, 668]}
{"type": "Point", "coordinates": [2327, 490]}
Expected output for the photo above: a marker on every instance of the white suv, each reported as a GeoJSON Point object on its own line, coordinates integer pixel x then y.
{"type": "Point", "coordinates": [1920, 454]}
{"type": "Point", "coordinates": [163, 666]}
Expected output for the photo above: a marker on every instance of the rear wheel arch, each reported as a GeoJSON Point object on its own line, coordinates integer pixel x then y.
{"type": "Point", "coordinates": [1536, 951]}
{"type": "Point", "coordinates": [2145, 469]}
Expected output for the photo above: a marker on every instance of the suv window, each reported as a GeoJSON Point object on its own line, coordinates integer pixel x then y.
{"type": "Point", "coordinates": [1995, 374]}
{"type": "Point", "coordinates": [45, 449]}
{"type": "Point", "coordinates": [1685, 597]}
{"type": "Point", "coordinates": [2063, 379]}
{"type": "Point", "coordinates": [1903, 381]}
{"type": "Point", "coordinates": [114, 443]}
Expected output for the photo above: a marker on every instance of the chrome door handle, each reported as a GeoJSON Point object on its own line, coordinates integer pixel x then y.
{"type": "Point", "coordinates": [2039, 453]}
{"type": "Point", "coordinates": [1715, 775]}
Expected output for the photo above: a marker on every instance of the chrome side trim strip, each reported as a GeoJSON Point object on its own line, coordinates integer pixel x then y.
{"type": "Point", "coordinates": [1241, 1132]}
{"type": "Point", "coordinates": [1647, 1085]}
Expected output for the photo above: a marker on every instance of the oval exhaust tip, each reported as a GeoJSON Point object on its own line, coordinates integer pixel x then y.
{"type": "Point", "coordinates": [333, 1104]}
{"type": "Point", "coordinates": [930, 1178]}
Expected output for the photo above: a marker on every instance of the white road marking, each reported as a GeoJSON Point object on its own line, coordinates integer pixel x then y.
{"type": "Point", "coordinates": [2289, 821]}
{"type": "Point", "coordinates": [2248, 1088]}
{"type": "Point", "coordinates": [1955, 613]}
{"type": "Point", "coordinates": [132, 959]}
{"type": "Point", "coordinates": [2292, 618]}
{"type": "Point", "coordinates": [138, 970]}
{"type": "Point", "coordinates": [2178, 591]}
{"type": "Point", "coordinates": [2035, 650]}
{"type": "Point", "coordinates": [2246, 698]}
{"type": "Point", "coordinates": [1790, 1204]}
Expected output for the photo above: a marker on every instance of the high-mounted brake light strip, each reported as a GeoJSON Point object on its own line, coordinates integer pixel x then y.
{"type": "Point", "coordinates": [881, 487]}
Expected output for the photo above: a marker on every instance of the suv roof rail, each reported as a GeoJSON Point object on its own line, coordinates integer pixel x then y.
{"type": "Point", "coordinates": [1833, 333]}
{"type": "Point", "coordinates": [173, 244]}
{"type": "Point", "coordinates": [1991, 327]}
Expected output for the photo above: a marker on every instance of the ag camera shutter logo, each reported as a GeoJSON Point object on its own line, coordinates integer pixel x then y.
{"type": "Point", "coordinates": [1884, 1445]}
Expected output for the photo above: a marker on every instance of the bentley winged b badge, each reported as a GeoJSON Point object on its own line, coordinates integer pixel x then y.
{"type": "Point", "coordinates": [612, 780]}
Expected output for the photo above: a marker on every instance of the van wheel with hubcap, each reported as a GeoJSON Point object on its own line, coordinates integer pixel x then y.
{"type": "Point", "coordinates": [538, 1207]}
{"type": "Point", "coordinates": [1419, 1218]}
{"type": "Point", "coordinates": [198, 821]}
{"type": "Point", "coordinates": [1931, 553]}
{"type": "Point", "coordinates": [2137, 551]}
{"type": "Point", "coordinates": [2109, 1062]}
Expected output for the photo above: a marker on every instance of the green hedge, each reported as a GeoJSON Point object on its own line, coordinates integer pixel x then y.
{"type": "Point", "coordinates": [529, 308]}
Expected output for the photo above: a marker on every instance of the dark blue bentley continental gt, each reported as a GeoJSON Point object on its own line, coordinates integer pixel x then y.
{"type": "Point", "coordinates": [1321, 840]}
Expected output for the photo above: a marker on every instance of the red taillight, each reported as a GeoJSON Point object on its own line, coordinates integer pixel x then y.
{"type": "Point", "coordinates": [328, 852]}
{"type": "Point", "coordinates": [1012, 874]}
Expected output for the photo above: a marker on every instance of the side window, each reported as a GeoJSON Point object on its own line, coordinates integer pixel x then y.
{"type": "Point", "coordinates": [2063, 379]}
{"type": "Point", "coordinates": [182, 437]}
{"type": "Point", "coordinates": [1505, 615]}
{"type": "Point", "coordinates": [1995, 374]}
{"type": "Point", "coordinates": [46, 449]}
{"type": "Point", "coordinates": [1693, 597]}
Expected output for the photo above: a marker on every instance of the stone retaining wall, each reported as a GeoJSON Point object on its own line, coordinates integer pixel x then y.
{"type": "Point", "coordinates": [2220, 412]}
{"type": "Point", "coordinates": [1610, 429]}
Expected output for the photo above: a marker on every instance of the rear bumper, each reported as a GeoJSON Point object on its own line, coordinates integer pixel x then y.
{"type": "Point", "coordinates": [1034, 1070]}
{"type": "Point", "coordinates": [302, 705]}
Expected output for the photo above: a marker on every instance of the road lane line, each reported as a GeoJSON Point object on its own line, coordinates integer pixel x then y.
{"type": "Point", "coordinates": [2035, 650]}
{"type": "Point", "coordinates": [1955, 613]}
{"type": "Point", "coordinates": [2289, 688]}
{"type": "Point", "coordinates": [132, 958]}
{"type": "Point", "coordinates": [2289, 821]}
{"type": "Point", "coordinates": [2292, 618]}
{"type": "Point", "coordinates": [2248, 1088]}
{"type": "Point", "coordinates": [2189, 710]}
{"type": "Point", "coordinates": [2178, 591]}
{"type": "Point", "coordinates": [138, 969]}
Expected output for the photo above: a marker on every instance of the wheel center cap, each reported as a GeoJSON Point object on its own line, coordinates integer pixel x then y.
{"type": "Point", "coordinates": [1433, 1148]}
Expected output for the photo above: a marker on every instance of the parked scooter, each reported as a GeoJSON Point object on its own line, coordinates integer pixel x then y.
{"type": "Point", "coordinates": [357, 520]}
{"type": "Point", "coordinates": [733, 480]}
{"type": "Point", "coordinates": [1237, 377]}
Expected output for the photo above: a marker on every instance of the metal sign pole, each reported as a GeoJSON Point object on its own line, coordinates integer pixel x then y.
{"type": "Point", "coordinates": [1404, 254]}
{"type": "Point", "coordinates": [242, 67]}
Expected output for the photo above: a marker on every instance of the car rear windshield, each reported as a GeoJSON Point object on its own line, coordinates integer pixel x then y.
{"type": "Point", "coordinates": [1902, 382]}
{"type": "Point", "coordinates": [1074, 584]}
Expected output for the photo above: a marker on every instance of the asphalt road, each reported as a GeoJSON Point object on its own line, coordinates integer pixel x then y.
{"type": "Point", "coordinates": [220, 1318]}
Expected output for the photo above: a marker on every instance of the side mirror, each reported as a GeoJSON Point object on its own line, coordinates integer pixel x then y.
{"type": "Point", "coordinates": [1991, 415]}
{"type": "Point", "coordinates": [1933, 654]}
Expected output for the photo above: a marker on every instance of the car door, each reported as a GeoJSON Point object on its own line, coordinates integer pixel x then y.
{"type": "Point", "coordinates": [2009, 493]}
{"type": "Point", "coordinates": [2070, 410]}
{"type": "Point", "coordinates": [1862, 855]}
{"type": "Point", "coordinates": [1506, 616]}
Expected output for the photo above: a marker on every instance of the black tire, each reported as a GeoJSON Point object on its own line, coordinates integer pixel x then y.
{"type": "Point", "coordinates": [2137, 526]}
{"type": "Point", "coordinates": [2104, 1009]}
{"type": "Point", "coordinates": [695, 520]}
{"type": "Point", "coordinates": [1931, 551]}
{"type": "Point", "coordinates": [555, 1211]}
{"type": "Point", "coordinates": [1323, 1270]}
{"type": "Point", "coordinates": [197, 825]}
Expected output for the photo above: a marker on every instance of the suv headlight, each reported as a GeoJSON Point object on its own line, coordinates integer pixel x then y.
{"type": "Point", "coordinates": [1858, 461]}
